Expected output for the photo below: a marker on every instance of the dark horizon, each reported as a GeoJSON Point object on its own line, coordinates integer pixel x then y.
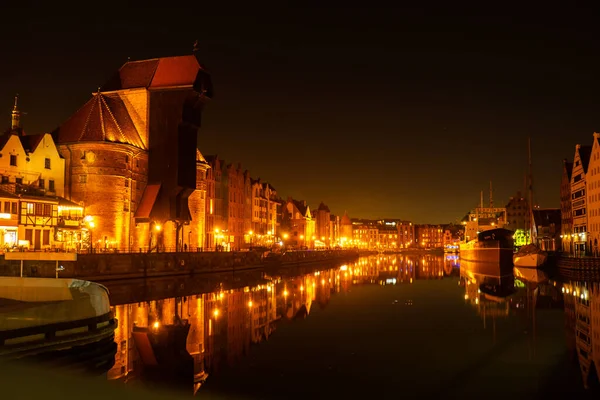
{"type": "Point", "coordinates": [395, 113]}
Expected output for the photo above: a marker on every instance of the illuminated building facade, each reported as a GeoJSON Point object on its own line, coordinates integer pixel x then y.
{"type": "Point", "coordinates": [265, 204]}
{"type": "Point", "coordinates": [234, 205]}
{"type": "Point", "coordinates": [429, 236]}
{"type": "Point", "coordinates": [195, 233]}
{"type": "Point", "coordinates": [215, 220]}
{"type": "Point", "coordinates": [298, 224]}
{"type": "Point", "coordinates": [130, 152]}
{"type": "Point", "coordinates": [323, 226]}
{"type": "Point", "coordinates": [578, 197]}
{"type": "Point", "coordinates": [345, 230]}
{"type": "Point", "coordinates": [592, 185]}
{"type": "Point", "coordinates": [406, 234]}
{"type": "Point", "coordinates": [365, 236]}
{"type": "Point", "coordinates": [566, 211]}
{"type": "Point", "coordinates": [33, 212]}
{"type": "Point", "coordinates": [387, 236]}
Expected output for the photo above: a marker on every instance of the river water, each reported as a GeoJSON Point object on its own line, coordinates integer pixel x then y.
{"type": "Point", "coordinates": [384, 326]}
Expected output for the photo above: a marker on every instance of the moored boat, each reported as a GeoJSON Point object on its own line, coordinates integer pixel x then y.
{"type": "Point", "coordinates": [60, 323]}
{"type": "Point", "coordinates": [492, 246]}
{"type": "Point", "coordinates": [529, 256]}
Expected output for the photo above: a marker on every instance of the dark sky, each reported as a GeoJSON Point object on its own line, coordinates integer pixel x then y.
{"type": "Point", "coordinates": [400, 113]}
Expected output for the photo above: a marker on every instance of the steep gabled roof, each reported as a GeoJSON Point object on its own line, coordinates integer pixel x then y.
{"type": "Point", "coordinates": [155, 73]}
{"type": "Point", "coordinates": [102, 119]}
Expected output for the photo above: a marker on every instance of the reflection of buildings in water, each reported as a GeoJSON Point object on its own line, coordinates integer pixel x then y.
{"type": "Point", "coordinates": [582, 320]}
{"type": "Point", "coordinates": [475, 276]}
{"type": "Point", "coordinates": [222, 326]}
{"type": "Point", "coordinates": [224, 323]}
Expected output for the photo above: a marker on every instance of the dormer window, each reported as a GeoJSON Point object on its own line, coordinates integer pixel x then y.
{"type": "Point", "coordinates": [13, 160]}
{"type": "Point", "coordinates": [47, 163]}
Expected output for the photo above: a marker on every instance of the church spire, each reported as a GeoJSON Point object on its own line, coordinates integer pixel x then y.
{"type": "Point", "coordinates": [16, 115]}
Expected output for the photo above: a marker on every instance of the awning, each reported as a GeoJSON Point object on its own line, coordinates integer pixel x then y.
{"type": "Point", "coordinates": [147, 203]}
{"type": "Point", "coordinates": [68, 203]}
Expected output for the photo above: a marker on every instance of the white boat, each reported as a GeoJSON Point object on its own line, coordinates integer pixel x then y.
{"type": "Point", "coordinates": [530, 255]}
{"type": "Point", "coordinates": [62, 323]}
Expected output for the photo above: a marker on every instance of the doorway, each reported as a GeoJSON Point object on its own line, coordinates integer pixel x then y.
{"type": "Point", "coordinates": [38, 240]}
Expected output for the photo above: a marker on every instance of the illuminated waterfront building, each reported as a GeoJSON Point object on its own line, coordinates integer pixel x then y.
{"type": "Point", "coordinates": [323, 226]}
{"type": "Point", "coordinates": [298, 224]}
{"type": "Point", "coordinates": [265, 204]}
{"type": "Point", "coordinates": [429, 236]}
{"type": "Point", "coordinates": [592, 186]}
{"type": "Point", "coordinates": [579, 198]}
{"type": "Point", "coordinates": [33, 212]}
{"type": "Point", "coordinates": [345, 230]}
{"type": "Point", "coordinates": [406, 234]}
{"type": "Point", "coordinates": [133, 171]}
{"type": "Point", "coordinates": [566, 211]}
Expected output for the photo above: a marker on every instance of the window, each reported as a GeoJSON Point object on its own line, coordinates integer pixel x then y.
{"type": "Point", "coordinates": [4, 179]}
{"type": "Point", "coordinates": [47, 163]}
{"type": "Point", "coordinates": [14, 208]}
{"type": "Point", "coordinates": [13, 160]}
{"type": "Point", "coordinates": [19, 181]}
{"type": "Point", "coordinates": [82, 178]}
{"type": "Point", "coordinates": [42, 184]}
{"type": "Point", "coordinates": [126, 206]}
{"type": "Point", "coordinates": [7, 207]}
{"type": "Point", "coordinates": [46, 238]}
{"type": "Point", "coordinates": [51, 185]}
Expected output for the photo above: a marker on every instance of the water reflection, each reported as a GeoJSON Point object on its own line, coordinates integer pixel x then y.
{"type": "Point", "coordinates": [582, 322]}
{"type": "Point", "coordinates": [225, 315]}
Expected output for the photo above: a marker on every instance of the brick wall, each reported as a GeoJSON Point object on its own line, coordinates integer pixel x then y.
{"type": "Point", "coordinates": [109, 178]}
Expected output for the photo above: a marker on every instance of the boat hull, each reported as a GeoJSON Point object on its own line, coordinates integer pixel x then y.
{"type": "Point", "coordinates": [534, 260]}
{"type": "Point", "coordinates": [488, 254]}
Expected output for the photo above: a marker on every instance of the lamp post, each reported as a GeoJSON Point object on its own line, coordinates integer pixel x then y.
{"type": "Point", "coordinates": [89, 221]}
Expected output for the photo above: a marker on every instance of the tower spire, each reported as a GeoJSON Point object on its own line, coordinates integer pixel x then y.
{"type": "Point", "coordinates": [16, 114]}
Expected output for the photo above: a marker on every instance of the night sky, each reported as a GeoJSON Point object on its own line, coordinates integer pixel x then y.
{"type": "Point", "coordinates": [397, 113]}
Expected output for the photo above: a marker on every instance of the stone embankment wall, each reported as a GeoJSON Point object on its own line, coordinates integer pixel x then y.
{"type": "Point", "coordinates": [141, 265]}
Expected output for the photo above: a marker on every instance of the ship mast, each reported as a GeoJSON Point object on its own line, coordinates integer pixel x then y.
{"type": "Point", "coordinates": [530, 189]}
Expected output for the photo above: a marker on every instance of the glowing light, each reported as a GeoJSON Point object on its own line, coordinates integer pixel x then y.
{"type": "Point", "coordinates": [250, 233]}
{"type": "Point", "coordinates": [250, 303]}
{"type": "Point", "coordinates": [216, 312]}
{"type": "Point", "coordinates": [92, 224]}
{"type": "Point", "coordinates": [285, 292]}
{"type": "Point", "coordinates": [221, 295]}
{"type": "Point", "coordinates": [157, 227]}
{"type": "Point", "coordinates": [156, 325]}
{"type": "Point", "coordinates": [285, 235]}
{"type": "Point", "coordinates": [343, 267]}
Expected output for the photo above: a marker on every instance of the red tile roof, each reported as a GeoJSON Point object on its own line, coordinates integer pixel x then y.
{"type": "Point", "coordinates": [102, 119]}
{"type": "Point", "coordinates": [154, 73]}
